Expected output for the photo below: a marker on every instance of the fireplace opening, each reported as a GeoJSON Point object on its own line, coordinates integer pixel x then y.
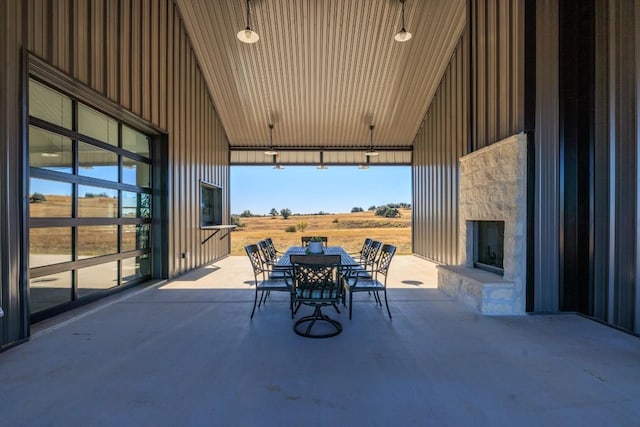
{"type": "Point", "coordinates": [488, 246]}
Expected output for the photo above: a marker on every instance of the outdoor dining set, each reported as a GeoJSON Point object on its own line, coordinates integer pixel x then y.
{"type": "Point", "coordinates": [319, 276]}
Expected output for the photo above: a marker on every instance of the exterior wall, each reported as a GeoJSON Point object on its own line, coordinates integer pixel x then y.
{"type": "Point", "coordinates": [480, 101]}
{"type": "Point", "coordinates": [547, 161]}
{"type": "Point", "coordinates": [616, 166]}
{"type": "Point", "coordinates": [497, 90]}
{"type": "Point", "coordinates": [138, 54]}
{"type": "Point", "coordinates": [13, 325]}
{"type": "Point", "coordinates": [441, 140]}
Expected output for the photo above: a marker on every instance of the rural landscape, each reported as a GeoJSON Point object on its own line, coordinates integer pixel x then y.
{"type": "Point", "coordinates": [342, 229]}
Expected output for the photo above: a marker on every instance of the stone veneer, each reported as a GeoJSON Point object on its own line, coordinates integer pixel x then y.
{"type": "Point", "coordinates": [493, 187]}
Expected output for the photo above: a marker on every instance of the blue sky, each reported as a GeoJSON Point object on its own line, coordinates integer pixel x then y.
{"type": "Point", "coordinates": [305, 189]}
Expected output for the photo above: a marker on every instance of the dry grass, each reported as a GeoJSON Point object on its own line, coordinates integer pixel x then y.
{"type": "Point", "coordinates": [346, 230]}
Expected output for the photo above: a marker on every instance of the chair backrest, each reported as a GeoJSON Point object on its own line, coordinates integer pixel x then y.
{"type": "Point", "coordinates": [316, 278]}
{"type": "Point", "coordinates": [272, 247]}
{"type": "Point", "coordinates": [370, 257]}
{"type": "Point", "coordinates": [306, 239]}
{"type": "Point", "coordinates": [384, 260]}
{"type": "Point", "coordinates": [365, 247]}
{"type": "Point", "coordinates": [266, 252]}
{"type": "Point", "coordinates": [253, 252]}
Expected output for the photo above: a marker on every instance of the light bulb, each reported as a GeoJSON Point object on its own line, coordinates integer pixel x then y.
{"type": "Point", "coordinates": [402, 36]}
{"type": "Point", "coordinates": [248, 36]}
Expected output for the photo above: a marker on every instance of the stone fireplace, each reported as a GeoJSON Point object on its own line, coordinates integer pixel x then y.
{"type": "Point", "coordinates": [493, 190]}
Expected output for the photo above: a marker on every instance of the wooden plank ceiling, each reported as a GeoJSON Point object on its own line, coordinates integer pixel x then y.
{"type": "Point", "coordinates": [323, 70]}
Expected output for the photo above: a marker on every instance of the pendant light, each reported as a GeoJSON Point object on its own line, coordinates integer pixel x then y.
{"type": "Point", "coordinates": [248, 35]}
{"type": "Point", "coordinates": [371, 151]}
{"type": "Point", "coordinates": [364, 165]}
{"type": "Point", "coordinates": [403, 35]}
{"type": "Point", "coordinates": [271, 151]}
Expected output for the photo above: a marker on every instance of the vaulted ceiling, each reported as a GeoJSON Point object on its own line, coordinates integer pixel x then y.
{"type": "Point", "coordinates": [323, 71]}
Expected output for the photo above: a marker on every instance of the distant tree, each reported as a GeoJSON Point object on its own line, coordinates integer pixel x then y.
{"type": "Point", "coordinates": [235, 220]}
{"type": "Point", "coordinates": [37, 198]}
{"type": "Point", "coordinates": [356, 209]}
{"type": "Point", "coordinates": [285, 213]}
{"type": "Point", "coordinates": [372, 208]}
{"type": "Point", "coordinates": [246, 214]}
{"type": "Point", "coordinates": [387, 212]}
{"type": "Point", "coordinates": [273, 212]}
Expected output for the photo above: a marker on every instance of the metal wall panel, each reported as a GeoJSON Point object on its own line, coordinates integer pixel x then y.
{"type": "Point", "coordinates": [480, 101]}
{"type": "Point", "coordinates": [623, 98]}
{"type": "Point", "coordinates": [547, 185]}
{"type": "Point", "coordinates": [497, 81]}
{"type": "Point", "coordinates": [138, 54]}
{"type": "Point", "coordinates": [14, 326]}
{"type": "Point", "coordinates": [441, 140]}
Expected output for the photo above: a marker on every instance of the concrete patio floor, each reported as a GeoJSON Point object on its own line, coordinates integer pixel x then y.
{"type": "Point", "coordinates": [186, 353]}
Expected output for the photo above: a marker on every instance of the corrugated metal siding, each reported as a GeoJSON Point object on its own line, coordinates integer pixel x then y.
{"type": "Point", "coordinates": [14, 325]}
{"type": "Point", "coordinates": [138, 54]}
{"type": "Point", "coordinates": [480, 101]}
{"type": "Point", "coordinates": [497, 59]}
{"type": "Point", "coordinates": [624, 132]}
{"type": "Point", "coordinates": [440, 142]}
{"type": "Point", "coordinates": [547, 186]}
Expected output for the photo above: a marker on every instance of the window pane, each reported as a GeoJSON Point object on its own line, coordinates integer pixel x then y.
{"type": "Point", "coordinates": [50, 151]}
{"type": "Point", "coordinates": [136, 173]}
{"type": "Point", "coordinates": [97, 278]}
{"type": "Point", "coordinates": [49, 291]}
{"type": "Point", "coordinates": [97, 240]}
{"type": "Point", "coordinates": [135, 268]}
{"type": "Point", "coordinates": [136, 205]}
{"type": "Point", "coordinates": [135, 142]}
{"type": "Point", "coordinates": [136, 237]}
{"type": "Point", "coordinates": [95, 162]}
{"type": "Point", "coordinates": [49, 198]}
{"type": "Point", "coordinates": [97, 125]}
{"type": "Point", "coordinates": [97, 202]}
{"type": "Point", "coordinates": [49, 105]}
{"type": "Point", "coordinates": [51, 245]}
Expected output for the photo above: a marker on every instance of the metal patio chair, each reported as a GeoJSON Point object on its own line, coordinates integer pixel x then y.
{"type": "Point", "coordinates": [316, 283]}
{"type": "Point", "coordinates": [358, 256]}
{"type": "Point", "coordinates": [265, 282]}
{"type": "Point", "coordinates": [374, 281]}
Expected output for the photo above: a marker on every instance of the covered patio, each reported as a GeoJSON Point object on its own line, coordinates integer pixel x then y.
{"type": "Point", "coordinates": [184, 352]}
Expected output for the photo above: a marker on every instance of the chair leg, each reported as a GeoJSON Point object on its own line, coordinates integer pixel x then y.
{"type": "Point", "coordinates": [350, 304]}
{"type": "Point", "coordinates": [387, 303]}
{"type": "Point", "coordinates": [255, 300]}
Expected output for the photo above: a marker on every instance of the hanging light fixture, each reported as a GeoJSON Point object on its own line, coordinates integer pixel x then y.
{"type": "Point", "coordinates": [322, 165]}
{"type": "Point", "coordinates": [403, 35]}
{"type": "Point", "coordinates": [371, 151]}
{"type": "Point", "coordinates": [271, 151]}
{"type": "Point", "coordinates": [364, 165]}
{"type": "Point", "coordinates": [248, 35]}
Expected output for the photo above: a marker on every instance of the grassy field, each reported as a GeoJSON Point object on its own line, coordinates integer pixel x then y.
{"type": "Point", "coordinates": [347, 230]}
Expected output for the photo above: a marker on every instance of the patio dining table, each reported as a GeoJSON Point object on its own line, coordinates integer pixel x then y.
{"type": "Point", "coordinates": [346, 260]}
